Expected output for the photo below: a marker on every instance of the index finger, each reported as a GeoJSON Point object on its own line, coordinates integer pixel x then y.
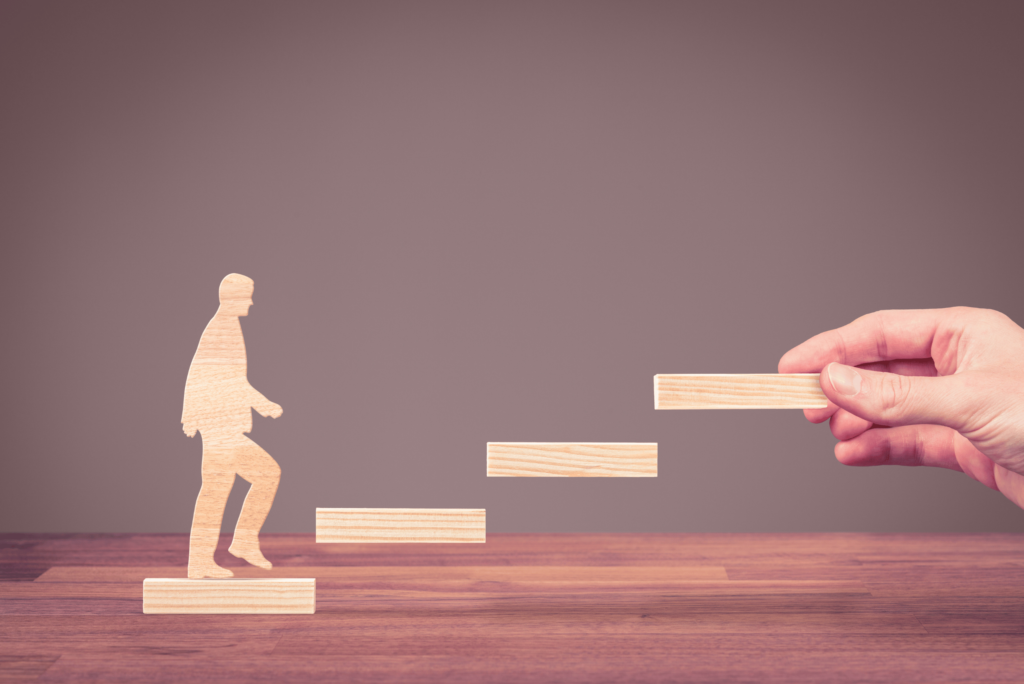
{"type": "Point", "coordinates": [879, 336]}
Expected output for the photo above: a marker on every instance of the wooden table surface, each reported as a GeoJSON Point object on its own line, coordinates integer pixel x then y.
{"type": "Point", "coordinates": [534, 607]}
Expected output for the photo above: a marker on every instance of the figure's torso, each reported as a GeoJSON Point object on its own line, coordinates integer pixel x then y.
{"type": "Point", "coordinates": [217, 392]}
{"type": "Point", "coordinates": [222, 343]}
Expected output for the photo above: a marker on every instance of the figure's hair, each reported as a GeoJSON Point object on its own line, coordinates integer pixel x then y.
{"type": "Point", "coordinates": [235, 286]}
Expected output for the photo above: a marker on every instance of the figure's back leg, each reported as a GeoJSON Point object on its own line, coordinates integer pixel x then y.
{"type": "Point", "coordinates": [257, 467]}
{"type": "Point", "coordinates": [218, 478]}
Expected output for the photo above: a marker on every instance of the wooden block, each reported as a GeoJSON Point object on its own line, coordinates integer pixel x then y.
{"type": "Point", "coordinates": [420, 525]}
{"type": "Point", "coordinates": [220, 596]}
{"type": "Point", "coordinates": [762, 390]}
{"type": "Point", "coordinates": [569, 459]}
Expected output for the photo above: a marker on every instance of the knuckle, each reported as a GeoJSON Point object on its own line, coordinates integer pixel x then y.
{"type": "Point", "coordinates": [839, 346]}
{"type": "Point", "coordinates": [895, 393]}
{"type": "Point", "coordinates": [833, 425]}
{"type": "Point", "coordinates": [971, 315]}
{"type": "Point", "coordinates": [884, 323]}
{"type": "Point", "coordinates": [884, 450]}
{"type": "Point", "coordinates": [995, 317]}
{"type": "Point", "coordinates": [969, 311]}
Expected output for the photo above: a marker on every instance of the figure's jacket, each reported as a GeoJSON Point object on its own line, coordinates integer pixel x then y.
{"type": "Point", "coordinates": [218, 396]}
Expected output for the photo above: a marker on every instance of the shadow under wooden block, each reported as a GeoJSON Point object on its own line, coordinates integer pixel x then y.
{"type": "Point", "coordinates": [755, 391]}
{"type": "Point", "coordinates": [571, 459]}
{"type": "Point", "coordinates": [401, 525]}
{"type": "Point", "coordinates": [229, 596]}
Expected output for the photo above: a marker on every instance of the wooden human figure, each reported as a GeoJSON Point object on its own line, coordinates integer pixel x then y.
{"type": "Point", "coordinates": [218, 403]}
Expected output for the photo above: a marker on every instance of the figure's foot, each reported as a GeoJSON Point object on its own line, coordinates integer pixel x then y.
{"type": "Point", "coordinates": [209, 569]}
{"type": "Point", "coordinates": [250, 553]}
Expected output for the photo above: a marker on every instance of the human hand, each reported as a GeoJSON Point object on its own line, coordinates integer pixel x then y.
{"type": "Point", "coordinates": [934, 387]}
{"type": "Point", "coordinates": [189, 429]}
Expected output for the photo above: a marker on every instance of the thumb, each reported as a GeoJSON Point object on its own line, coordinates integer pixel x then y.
{"type": "Point", "coordinates": [892, 399]}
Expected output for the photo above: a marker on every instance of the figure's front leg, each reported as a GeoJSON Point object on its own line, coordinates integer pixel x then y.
{"type": "Point", "coordinates": [206, 522]}
{"type": "Point", "coordinates": [261, 470]}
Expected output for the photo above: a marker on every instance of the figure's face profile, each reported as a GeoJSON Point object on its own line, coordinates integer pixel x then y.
{"type": "Point", "coordinates": [236, 295]}
{"type": "Point", "coordinates": [238, 307]}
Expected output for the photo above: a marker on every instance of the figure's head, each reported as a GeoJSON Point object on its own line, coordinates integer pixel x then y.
{"type": "Point", "coordinates": [236, 294]}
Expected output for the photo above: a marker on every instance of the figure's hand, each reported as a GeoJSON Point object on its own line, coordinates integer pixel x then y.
{"type": "Point", "coordinates": [270, 410]}
{"type": "Point", "coordinates": [189, 429]}
{"type": "Point", "coordinates": [939, 387]}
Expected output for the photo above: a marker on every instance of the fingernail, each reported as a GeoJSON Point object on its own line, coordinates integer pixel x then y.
{"type": "Point", "coordinates": [844, 379]}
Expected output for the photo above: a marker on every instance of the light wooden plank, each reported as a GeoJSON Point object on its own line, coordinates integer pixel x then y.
{"type": "Point", "coordinates": [123, 578]}
{"type": "Point", "coordinates": [571, 459]}
{"type": "Point", "coordinates": [399, 525]}
{"type": "Point", "coordinates": [229, 596]}
{"type": "Point", "coordinates": [754, 391]}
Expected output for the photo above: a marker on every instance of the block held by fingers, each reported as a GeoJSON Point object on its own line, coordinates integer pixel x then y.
{"type": "Point", "coordinates": [738, 391]}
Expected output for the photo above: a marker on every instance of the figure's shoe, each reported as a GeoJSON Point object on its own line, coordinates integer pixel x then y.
{"type": "Point", "coordinates": [250, 553]}
{"type": "Point", "coordinates": [208, 569]}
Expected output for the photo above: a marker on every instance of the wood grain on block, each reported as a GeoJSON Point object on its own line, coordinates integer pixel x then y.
{"type": "Point", "coordinates": [756, 391]}
{"type": "Point", "coordinates": [224, 596]}
{"type": "Point", "coordinates": [570, 459]}
{"type": "Point", "coordinates": [418, 525]}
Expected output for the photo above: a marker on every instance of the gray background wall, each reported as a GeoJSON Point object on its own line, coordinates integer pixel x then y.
{"type": "Point", "coordinates": [488, 221]}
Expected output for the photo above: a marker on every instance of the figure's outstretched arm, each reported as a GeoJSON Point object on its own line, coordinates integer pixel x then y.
{"type": "Point", "coordinates": [263, 406]}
